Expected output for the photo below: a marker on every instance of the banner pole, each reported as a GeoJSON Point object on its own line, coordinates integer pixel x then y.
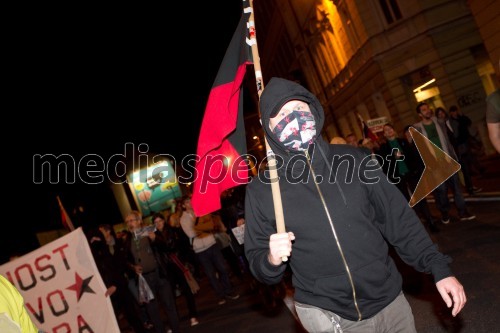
{"type": "Point", "coordinates": [275, 186]}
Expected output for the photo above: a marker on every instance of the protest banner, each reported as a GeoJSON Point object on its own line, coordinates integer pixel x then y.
{"type": "Point", "coordinates": [61, 286]}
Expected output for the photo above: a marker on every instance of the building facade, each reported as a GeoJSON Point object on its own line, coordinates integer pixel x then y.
{"type": "Point", "coordinates": [380, 58]}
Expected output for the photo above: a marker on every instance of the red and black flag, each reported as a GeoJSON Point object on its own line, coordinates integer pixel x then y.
{"type": "Point", "coordinates": [367, 132]}
{"type": "Point", "coordinates": [222, 141]}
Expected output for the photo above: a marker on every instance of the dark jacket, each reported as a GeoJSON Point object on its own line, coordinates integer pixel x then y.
{"type": "Point", "coordinates": [363, 217]}
{"type": "Point", "coordinates": [460, 129]}
{"type": "Point", "coordinates": [161, 264]}
{"type": "Point", "coordinates": [165, 241]}
{"type": "Point", "coordinates": [411, 159]}
{"type": "Point", "coordinates": [112, 267]}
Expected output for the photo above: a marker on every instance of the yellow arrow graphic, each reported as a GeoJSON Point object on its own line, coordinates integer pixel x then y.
{"type": "Point", "coordinates": [439, 166]}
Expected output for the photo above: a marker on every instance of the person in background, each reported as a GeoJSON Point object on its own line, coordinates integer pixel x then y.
{"type": "Point", "coordinates": [493, 118]}
{"type": "Point", "coordinates": [207, 251]}
{"type": "Point", "coordinates": [436, 133]}
{"type": "Point", "coordinates": [476, 147]}
{"type": "Point", "coordinates": [443, 118]}
{"type": "Point", "coordinates": [223, 238]}
{"type": "Point", "coordinates": [337, 140]}
{"type": "Point", "coordinates": [110, 258]}
{"type": "Point", "coordinates": [352, 140]}
{"type": "Point", "coordinates": [459, 125]}
{"type": "Point", "coordinates": [371, 146]}
{"type": "Point", "coordinates": [166, 243]}
{"type": "Point", "coordinates": [124, 236]}
{"type": "Point", "coordinates": [232, 214]}
{"type": "Point", "coordinates": [441, 115]}
{"type": "Point", "coordinates": [143, 259]}
{"type": "Point", "coordinates": [408, 170]}
{"type": "Point", "coordinates": [477, 151]}
{"type": "Point", "coordinates": [337, 232]}
{"type": "Point", "coordinates": [417, 168]}
{"type": "Point", "coordinates": [184, 250]}
{"type": "Point", "coordinates": [13, 315]}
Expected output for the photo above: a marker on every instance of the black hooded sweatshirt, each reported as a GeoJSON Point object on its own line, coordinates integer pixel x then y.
{"type": "Point", "coordinates": [354, 277]}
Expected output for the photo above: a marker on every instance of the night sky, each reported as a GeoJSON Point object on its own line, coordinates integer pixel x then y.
{"type": "Point", "coordinates": [91, 79]}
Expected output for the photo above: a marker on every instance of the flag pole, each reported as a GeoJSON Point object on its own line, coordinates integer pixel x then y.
{"type": "Point", "coordinates": [275, 186]}
{"type": "Point", "coordinates": [361, 121]}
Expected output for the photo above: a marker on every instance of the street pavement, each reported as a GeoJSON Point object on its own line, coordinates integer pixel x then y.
{"type": "Point", "coordinates": [475, 249]}
{"type": "Point", "coordinates": [473, 245]}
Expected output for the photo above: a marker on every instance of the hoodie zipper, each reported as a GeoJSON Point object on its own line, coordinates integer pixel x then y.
{"type": "Point", "coordinates": [308, 158]}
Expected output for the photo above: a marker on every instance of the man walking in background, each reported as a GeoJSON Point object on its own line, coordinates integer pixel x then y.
{"type": "Point", "coordinates": [434, 131]}
{"type": "Point", "coordinates": [459, 125]}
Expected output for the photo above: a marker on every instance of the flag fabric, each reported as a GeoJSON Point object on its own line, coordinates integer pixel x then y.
{"type": "Point", "coordinates": [365, 130]}
{"type": "Point", "coordinates": [66, 221]}
{"type": "Point", "coordinates": [222, 142]}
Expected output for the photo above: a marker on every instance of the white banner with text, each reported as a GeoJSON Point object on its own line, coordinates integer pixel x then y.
{"type": "Point", "coordinates": [62, 289]}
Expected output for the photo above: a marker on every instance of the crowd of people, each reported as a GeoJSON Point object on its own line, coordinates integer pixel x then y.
{"type": "Point", "coordinates": [171, 253]}
{"type": "Point", "coordinates": [347, 283]}
{"type": "Point", "coordinates": [182, 247]}
{"type": "Point", "coordinates": [450, 131]}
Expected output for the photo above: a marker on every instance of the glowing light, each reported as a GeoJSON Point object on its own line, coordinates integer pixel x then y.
{"type": "Point", "coordinates": [424, 85]}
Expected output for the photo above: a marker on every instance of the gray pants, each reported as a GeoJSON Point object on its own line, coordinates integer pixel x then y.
{"type": "Point", "coordinates": [395, 317]}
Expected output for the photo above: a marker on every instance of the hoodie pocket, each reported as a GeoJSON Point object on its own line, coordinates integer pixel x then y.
{"type": "Point", "coordinates": [334, 287]}
{"type": "Point", "coordinates": [373, 281]}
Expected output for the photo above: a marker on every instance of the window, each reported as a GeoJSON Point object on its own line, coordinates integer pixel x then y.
{"type": "Point", "coordinates": [391, 10]}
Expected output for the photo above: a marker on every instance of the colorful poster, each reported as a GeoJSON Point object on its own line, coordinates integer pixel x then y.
{"type": "Point", "coordinates": [155, 188]}
{"type": "Point", "coordinates": [61, 286]}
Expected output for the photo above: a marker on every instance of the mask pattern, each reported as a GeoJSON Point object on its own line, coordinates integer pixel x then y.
{"type": "Point", "coordinates": [297, 130]}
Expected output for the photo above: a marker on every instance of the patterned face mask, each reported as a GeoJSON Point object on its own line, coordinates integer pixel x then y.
{"type": "Point", "coordinates": [297, 130]}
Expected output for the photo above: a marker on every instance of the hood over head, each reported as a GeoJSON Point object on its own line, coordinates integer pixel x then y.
{"type": "Point", "coordinates": [276, 94]}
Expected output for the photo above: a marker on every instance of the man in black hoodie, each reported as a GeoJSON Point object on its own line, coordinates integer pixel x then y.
{"type": "Point", "coordinates": [340, 213]}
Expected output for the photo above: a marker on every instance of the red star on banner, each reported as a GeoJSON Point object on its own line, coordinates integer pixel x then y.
{"type": "Point", "coordinates": [81, 286]}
